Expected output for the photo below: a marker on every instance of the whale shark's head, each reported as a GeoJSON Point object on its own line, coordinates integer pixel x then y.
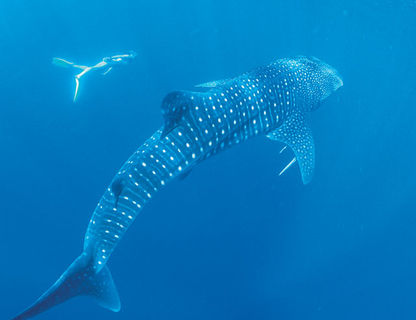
{"type": "Point", "coordinates": [328, 77]}
{"type": "Point", "coordinates": [316, 80]}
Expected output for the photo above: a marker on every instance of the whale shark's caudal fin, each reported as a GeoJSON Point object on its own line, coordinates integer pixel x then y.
{"type": "Point", "coordinates": [296, 133]}
{"type": "Point", "coordinates": [79, 279]}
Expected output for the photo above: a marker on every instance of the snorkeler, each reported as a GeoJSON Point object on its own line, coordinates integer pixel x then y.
{"type": "Point", "coordinates": [106, 64]}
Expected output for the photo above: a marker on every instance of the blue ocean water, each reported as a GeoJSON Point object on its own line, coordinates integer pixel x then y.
{"type": "Point", "coordinates": [233, 240]}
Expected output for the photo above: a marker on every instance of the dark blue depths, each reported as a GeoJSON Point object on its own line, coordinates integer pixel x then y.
{"type": "Point", "coordinates": [232, 240]}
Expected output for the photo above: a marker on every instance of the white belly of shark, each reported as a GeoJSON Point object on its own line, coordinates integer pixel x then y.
{"type": "Point", "coordinates": [273, 101]}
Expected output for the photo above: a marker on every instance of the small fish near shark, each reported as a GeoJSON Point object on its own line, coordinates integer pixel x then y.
{"type": "Point", "coordinates": [274, 100]}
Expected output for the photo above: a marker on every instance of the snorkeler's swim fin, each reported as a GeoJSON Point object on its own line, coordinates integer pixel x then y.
{"type": "Point", "coordinates": [62, 63]}
{"type": "Point", "coordinates": [76, 88]}
{"type": "Point", "coordinates": [66, 64]}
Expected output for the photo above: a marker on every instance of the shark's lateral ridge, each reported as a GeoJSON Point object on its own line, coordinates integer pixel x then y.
{"type": "Point", "coordinates": [273, 100]}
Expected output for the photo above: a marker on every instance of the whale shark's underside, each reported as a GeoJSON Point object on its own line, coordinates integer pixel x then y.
{"type": "Point", "coordinates": [273, 100]}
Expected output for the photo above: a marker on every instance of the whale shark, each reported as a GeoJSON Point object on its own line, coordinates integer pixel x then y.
{"type": "Point", "coordinates": [274, 100]}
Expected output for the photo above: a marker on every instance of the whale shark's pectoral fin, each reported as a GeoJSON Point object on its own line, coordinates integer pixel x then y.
{"type": "Point", "coordinates": [296, 133]}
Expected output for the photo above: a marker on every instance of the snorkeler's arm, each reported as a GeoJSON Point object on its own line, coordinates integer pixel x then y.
{"type": "Point", "coordinates": [107, 71]}
{"type": "Point", "coordinates": [100, 65]}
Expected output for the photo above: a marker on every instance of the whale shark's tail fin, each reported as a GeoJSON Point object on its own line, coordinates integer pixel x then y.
{"type": "Point", "coordinates": [79, 279]}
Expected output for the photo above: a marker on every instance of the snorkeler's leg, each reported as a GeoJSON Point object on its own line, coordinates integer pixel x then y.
{"type": "Point", "coordinates": [76, 88]}
{"type": "Point", "coordinates": [77, 78]}
{"type": "Point", "coordinates": [80, 67]}
{"type": "Point", "coordinates": [84, 71]}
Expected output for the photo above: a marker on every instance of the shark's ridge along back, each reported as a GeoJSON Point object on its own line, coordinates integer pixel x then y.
{"type": "Point", "coordinates": [273, 100]}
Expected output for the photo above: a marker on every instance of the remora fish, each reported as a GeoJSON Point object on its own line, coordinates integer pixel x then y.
{"type": "Point", "coordinates": [272, 100]}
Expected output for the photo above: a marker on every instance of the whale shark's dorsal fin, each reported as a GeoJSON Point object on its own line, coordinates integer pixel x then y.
{"type": "Point", "coordinates": [174, 108]}
{"type": "Point", "coordinates": [117, 187]}
{"type": "Point", "coordinates": [296, 133]}
{"type": "Point", "coordinates": [213, 84]}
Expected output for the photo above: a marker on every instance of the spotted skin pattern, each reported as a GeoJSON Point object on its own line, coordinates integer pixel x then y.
{"type": "Point", "coordinates": [207, 123]}
{"type": "Point", "coordinates": [271, 100]}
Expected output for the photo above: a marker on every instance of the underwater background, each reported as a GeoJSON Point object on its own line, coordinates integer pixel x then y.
{"type": "Point", "coordinates": [233, 240]}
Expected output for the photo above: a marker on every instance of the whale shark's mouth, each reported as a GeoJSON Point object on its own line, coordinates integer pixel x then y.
{"type": "Point", "coordinates": [330, 78]}
{"type": "Point", "coordinates": [325, 71]}
{"type": "Point", "coordinates": [332, 73]}
{"type": "Point", "coordinates": [338, 82]}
